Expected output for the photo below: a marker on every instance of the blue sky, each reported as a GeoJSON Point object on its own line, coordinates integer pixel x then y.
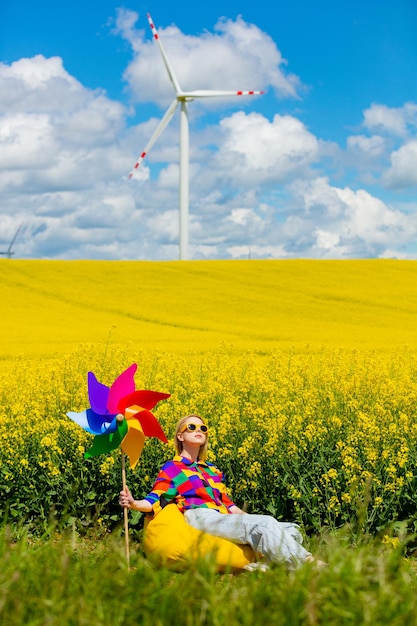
{"type": "Point", "coordinates": [323, 165]}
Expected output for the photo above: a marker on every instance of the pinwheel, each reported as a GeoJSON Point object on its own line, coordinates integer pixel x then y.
{"type": "Point", "coordinates": [120, 416]}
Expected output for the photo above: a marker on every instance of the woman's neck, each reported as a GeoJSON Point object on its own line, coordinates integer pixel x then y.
{"type": "Point", "coordinates": [190, 453]}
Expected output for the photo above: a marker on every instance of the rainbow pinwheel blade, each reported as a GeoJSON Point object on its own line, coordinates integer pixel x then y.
{"type": "Point", "coordinates": [123, 386]}
{"type": "Point", "coordinates": [133, 443]}
{"type": "Point", "coordinates": [94, 423]}
{"type": "Point", "coordinates": [143, 398]}
{"type": "Point", "coordinates": [103, 444]}
{"type": "Point", "coordinates": [81, 419]}
{"type": "Point", "coordinates": [97, 394]}
{"type": "Point", "coordinates": [150, 425]}
{"type": "Point", "coordinates": [99, 425]}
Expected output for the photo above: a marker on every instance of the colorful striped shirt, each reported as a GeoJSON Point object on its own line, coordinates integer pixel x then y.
{"type": "Point", "coordinates": [189, 484]}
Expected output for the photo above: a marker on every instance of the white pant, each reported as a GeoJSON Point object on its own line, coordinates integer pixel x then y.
{"type": "Point", "coordinates": [276, 541]}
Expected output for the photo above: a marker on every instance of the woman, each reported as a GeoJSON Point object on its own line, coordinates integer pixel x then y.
{"type": "Point", "coordinates": [197, 488]}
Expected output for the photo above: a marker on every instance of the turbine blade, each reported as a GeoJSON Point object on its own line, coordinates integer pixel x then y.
{"type": "Point", "coordinates": [167, 64]}
{"type": "Point", "coordinates": [13, 240]}
{"type": "Point", "coordinates": [161, 126]}
{"type": "Point", "coordinates": [209, 93]}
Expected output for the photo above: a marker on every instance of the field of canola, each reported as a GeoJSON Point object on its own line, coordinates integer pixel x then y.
{"type": "Point", "coordinates": [305, 370]}
{"type": "Point", "coordinates": [50, 307]}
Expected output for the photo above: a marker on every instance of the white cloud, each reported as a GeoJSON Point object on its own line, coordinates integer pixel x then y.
{"type": "Point", "coordinates": [165, 226]}
{"type": "Point", "coordinates": [389, 157]}
{"type": "Point", "coordinates": [403, 170]}
{"type": "Point", "coordinates": [391, 120]}
{"type": "Point", "coordinates": [255, 149]}
{"type": "Point", "coordinates": [37, 73]}
{"type": "Point", "coordinates": [38, 85]}
{"type": "Point", "coordinates": [26, 141]}
{"type": "Point", "coordinates": [55, 133]}
{"type": "Point", "coordinates": [351, 223]}
{"type": "Point", "coordinates": [368, 147]}
{"type": "Point", "coordinates": [240, 216]}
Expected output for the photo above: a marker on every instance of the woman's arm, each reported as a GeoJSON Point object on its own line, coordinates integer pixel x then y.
{"type": "Point", "coordinates": [164, 486]}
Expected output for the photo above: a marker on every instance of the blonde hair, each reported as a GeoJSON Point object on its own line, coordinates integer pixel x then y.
{"type": "Point", "coordinates": [178, 444]}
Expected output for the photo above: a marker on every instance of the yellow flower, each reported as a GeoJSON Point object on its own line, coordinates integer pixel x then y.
{"type": "Point", "coordinates": [107, 465]}
{"type": "Point", "coordinates": [391, 542]}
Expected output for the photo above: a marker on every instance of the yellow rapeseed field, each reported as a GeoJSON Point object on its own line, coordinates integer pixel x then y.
{"type": "Point", "coordinates": [322, 428]}
{"type": "Point", "coordinates": [51, 307]}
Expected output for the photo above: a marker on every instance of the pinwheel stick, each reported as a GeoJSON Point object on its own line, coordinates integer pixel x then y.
{"type": "Point", "coordinates": [125, 513]}
{"type": "Point", "coordinates": [120, 418]}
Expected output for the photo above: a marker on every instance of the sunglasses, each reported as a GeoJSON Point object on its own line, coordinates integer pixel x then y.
{"type": "Point", "coordinates": [193, 427]}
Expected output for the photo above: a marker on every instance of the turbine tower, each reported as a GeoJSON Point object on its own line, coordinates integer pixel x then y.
{"type": "Point", "coordinates": [181, 98]}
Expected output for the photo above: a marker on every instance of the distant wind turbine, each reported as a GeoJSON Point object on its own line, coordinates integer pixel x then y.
{"type": "Point", "coordinates": [9, 252]}
{"type": "Point", "coordinates": [181, 97]}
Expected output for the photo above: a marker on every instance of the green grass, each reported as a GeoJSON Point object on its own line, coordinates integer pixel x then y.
{"type": "Point", "coordinates": [51, 307]}
{"type": "Point", "coordinates": [68, 582]}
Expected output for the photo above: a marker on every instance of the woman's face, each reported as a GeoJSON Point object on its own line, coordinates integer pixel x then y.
{"type": "Point", "coordinates": [192, 437]}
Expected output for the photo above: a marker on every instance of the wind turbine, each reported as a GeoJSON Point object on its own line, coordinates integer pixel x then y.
{"type": "Point", "coordinates": [181, 98]}
{"type": "Point", "coordinates": [9, 252]}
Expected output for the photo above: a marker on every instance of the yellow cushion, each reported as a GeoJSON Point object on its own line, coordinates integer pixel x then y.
{"type": "Point", "coordinates": [169, 539]}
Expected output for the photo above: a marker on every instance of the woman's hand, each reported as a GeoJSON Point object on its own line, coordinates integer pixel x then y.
{"type": "Point", "coordinates": [126, 499]}
{"type": "Point", "coordinates": [127, 502]}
